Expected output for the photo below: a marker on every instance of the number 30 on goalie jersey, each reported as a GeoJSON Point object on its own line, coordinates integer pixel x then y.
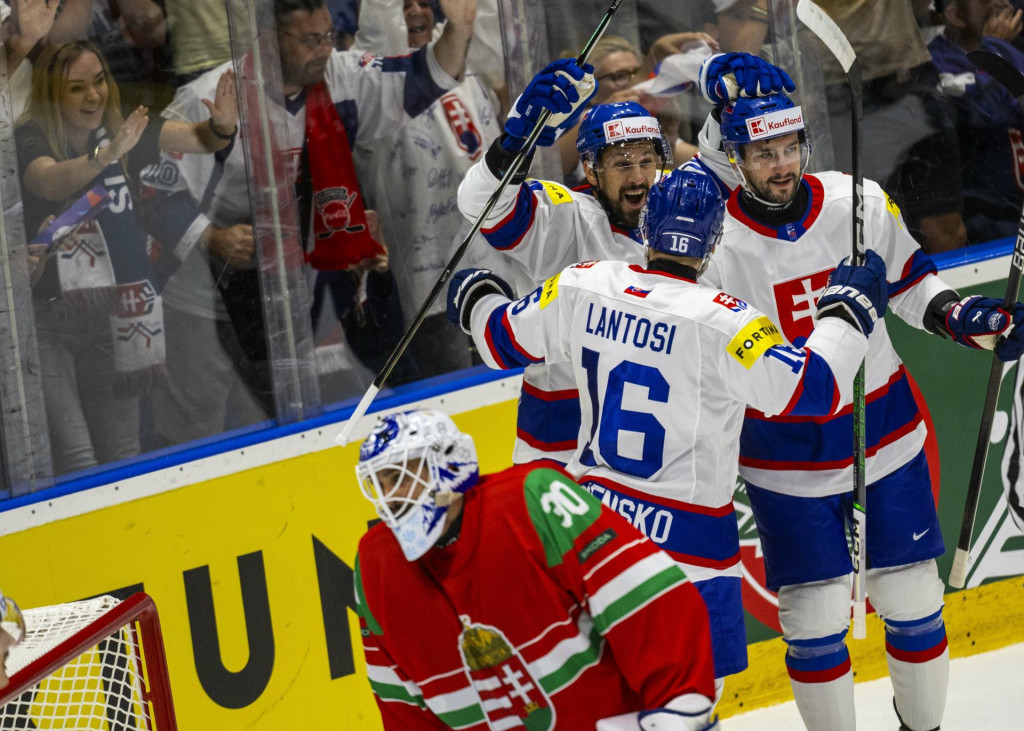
{"type": "Point", "coordinates": [665, 366]}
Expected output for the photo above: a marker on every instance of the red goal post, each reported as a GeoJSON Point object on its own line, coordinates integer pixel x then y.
{"type": "Point", "coordinates": [93, 664]}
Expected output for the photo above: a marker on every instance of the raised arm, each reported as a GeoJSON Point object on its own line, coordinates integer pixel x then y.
{"type": "Point", "coordinates": [450, 49]}
{"type": "Point", "coordinates": [210, 135]}
{"type": "Point", "coordinates": [29, 22]}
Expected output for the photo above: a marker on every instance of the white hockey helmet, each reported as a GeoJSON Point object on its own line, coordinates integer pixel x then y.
{"type": "Point", "coordinates": [408, 466]}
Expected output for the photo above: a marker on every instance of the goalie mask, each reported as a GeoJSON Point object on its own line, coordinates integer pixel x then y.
{"type": "Point", "coordinates": [409, 466]}
{"type": "Point", "coordinates": [684, 215]}
{"type": "Point", "coordinates": [748, 123]}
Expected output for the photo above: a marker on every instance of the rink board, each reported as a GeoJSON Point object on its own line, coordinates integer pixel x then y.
{"type": "Point", "coordinates": [248, 551]}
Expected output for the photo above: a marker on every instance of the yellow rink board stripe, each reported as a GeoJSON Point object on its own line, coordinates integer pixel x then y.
{"type": "Point", "coordinates": [977, 620]}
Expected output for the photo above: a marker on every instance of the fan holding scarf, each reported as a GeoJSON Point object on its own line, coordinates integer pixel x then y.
{"type": "Point", "coordinates": [98, 309]}
{"type": "Point", "coordinates": [218, 363]}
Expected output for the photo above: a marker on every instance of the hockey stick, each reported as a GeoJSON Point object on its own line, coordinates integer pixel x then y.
{"type": "Point", "coordinates": [1008, 76]}
{"type": "Point", "coordinates": [829, 33]}
{"type": "Point", "coordinates": [517, 163]}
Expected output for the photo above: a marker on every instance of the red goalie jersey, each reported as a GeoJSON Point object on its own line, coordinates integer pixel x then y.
{"type": "Point", "coordinates": [548, 611]}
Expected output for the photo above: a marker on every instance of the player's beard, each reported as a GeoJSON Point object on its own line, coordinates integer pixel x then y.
{"type": "Point", "coordinates": [617, 213]}
{"type": "Point", "coordinates": [767, 193]}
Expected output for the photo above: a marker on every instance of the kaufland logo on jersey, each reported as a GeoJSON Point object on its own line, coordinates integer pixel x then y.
{"type": "Point", "coordinates": [774, 124]}
{"type": "Point", "coordinates": [620, 130]}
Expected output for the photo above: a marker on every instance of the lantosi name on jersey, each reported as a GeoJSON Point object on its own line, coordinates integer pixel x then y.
{"type": "Point", "coordinates": [796, 301]}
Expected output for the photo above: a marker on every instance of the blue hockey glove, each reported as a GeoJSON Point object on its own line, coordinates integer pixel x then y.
{"type": "Point", "coordinates": [466, 288]}
{"type": "Point", "coordinates": [858, 294]}
{"type": "Point", "coordinates": [980, 322]}
{"type": "Point", "coordinates": [725, 76]}
{"type": "Point", "coordinates": [562, 87]}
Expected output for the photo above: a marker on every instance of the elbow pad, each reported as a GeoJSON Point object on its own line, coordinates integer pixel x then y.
{"type": "Point", "coordinates": [938, 308]}
{"type": "Point", "coordinates": [499, 160]}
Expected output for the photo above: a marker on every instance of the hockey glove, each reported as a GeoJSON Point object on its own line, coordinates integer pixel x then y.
{"type": "Point", "coordinates": [725, 76]}
{"type": "Point", "coordinates": [466, 288]}
{"type": "Point", "coordinates": [857, 294]}
{"type": "Point", "coordinates": [664, 719]}
{"type": "Point", "coordinates": [562, 87]}
{"type": "Point", "coordinates": [980, 322]}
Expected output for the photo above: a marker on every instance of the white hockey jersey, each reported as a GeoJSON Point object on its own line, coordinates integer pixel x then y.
{"type": "Point", "coordinates": [782, 271]}
{"type": "Point", "coordinates": [373, 96]}
{"type": "Point", "coordinates": [544, 227]}
{"type": "Point", "coordinates": [665, 368]}
{"type": "Point", "coordinates": [411, 177]}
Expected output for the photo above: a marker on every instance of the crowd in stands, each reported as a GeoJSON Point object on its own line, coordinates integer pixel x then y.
{"type": "Point", "coordinates": [136, 123]}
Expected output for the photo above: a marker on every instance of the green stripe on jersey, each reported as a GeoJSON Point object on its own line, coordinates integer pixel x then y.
{"type": "Point", "coordinates": [608, 615]}
{"type": "Point", "coordinates": [469, 716]}
{"type": "Point", "coordinates": [560, 510]}
{"type": "Point", "coordinates": [361, 607]}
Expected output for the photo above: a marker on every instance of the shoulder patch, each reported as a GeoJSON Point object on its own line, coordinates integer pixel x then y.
{"type": "Point", "coordinates": [556, 192]}
{"type": "Point", "coordinates": [753, 340]}
{"type": "Point", "coordinates": [549, 291]}
{"type": "Point", "coordinates": [730, 303]}
{"type": "Point", "coordinates": [560, 511]}
{"type": "Point", "coordinates": [890, 205]}
{"type": "Point", "coordinates": [584, 264]}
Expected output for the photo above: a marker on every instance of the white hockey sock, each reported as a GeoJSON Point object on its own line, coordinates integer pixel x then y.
{"type": "Point", "coordinates": [826, 706]}
{"type": "Point", "coordinates": [822, 681]}
{"type": "Point", "coordinates": [920, 690]}
{"type": "Point", "coordinates": [918, 658]}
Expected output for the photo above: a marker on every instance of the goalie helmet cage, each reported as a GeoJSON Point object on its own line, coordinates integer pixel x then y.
{"type": "Point", "coordinates": [93, 664]}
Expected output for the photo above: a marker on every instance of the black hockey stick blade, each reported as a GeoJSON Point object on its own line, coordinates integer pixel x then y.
{"type": "Point", "coordinates": [1006, 74]}
{"type": "Point", "coordinates": [1001, 70]}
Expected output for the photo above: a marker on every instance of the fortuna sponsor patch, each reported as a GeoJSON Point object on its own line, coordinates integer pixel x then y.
{"type": "Point", "coordinates": [753, 340]}
{"type": "Point", "coordinates": [549, 291]}
{"type": "Point", "coordinates": [774, 124]}
{"type": "Point", "coordinates": [890, 205]}
{"type": "Point", "coordinates": [622, 130]}
{"type": "Point", "coordinates": [556, 192]}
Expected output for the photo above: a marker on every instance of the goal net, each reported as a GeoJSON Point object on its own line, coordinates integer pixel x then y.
{"type": "Point", "coordinates": [93, 664]}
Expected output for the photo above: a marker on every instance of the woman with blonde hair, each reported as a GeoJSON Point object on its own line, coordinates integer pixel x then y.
{"type": "Point", "coordinates": [98, 310]}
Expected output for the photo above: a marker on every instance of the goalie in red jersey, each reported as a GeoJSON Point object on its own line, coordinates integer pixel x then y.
{"type": "Point", "coordinates": [516, 600]}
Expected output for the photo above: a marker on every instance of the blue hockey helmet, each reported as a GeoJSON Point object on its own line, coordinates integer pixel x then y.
{"type": "Point", "coordinates": [684, 214]}
{"type": "Point", "coordinates": [409, 466]}
{"type": "Point", "coordinates": [755, 119]}
{"type": "Point", "coordinates": [617, 123]}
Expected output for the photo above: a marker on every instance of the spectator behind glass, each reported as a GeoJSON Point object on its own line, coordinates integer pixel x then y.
{"type": "Point", "coordinates": [411, 178]}
{"type": "Point", "coordinates": [739, 25]}
{"type": "Point", "coordinates": [218, 364]}
{"type": "Point", "coordinates": [988, 120]}
{"type": "Point", "coordinates": [909, 144]}
{"type": "Point", "coordinates": [97, 306]}
{"type": "Point", "coordinates": [618, 67]}
{"type": "Point", "coordinates": [25, 24]}
{"type": "Point", "coordinates": [131, 34]}
{"type": "Point", "coordinates": [198, 36]}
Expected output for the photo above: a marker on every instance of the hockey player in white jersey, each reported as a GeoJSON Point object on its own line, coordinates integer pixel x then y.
{"type": "Point", "coordinates": [543, 226]}
{"type": "Point", "coordinates": [665, 367]}
{"type": "Point", "coordinates": [783, 229]}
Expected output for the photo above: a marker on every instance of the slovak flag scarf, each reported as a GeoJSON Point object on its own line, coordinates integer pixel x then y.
{"type": "Point", "coordinates": [103, 266]}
